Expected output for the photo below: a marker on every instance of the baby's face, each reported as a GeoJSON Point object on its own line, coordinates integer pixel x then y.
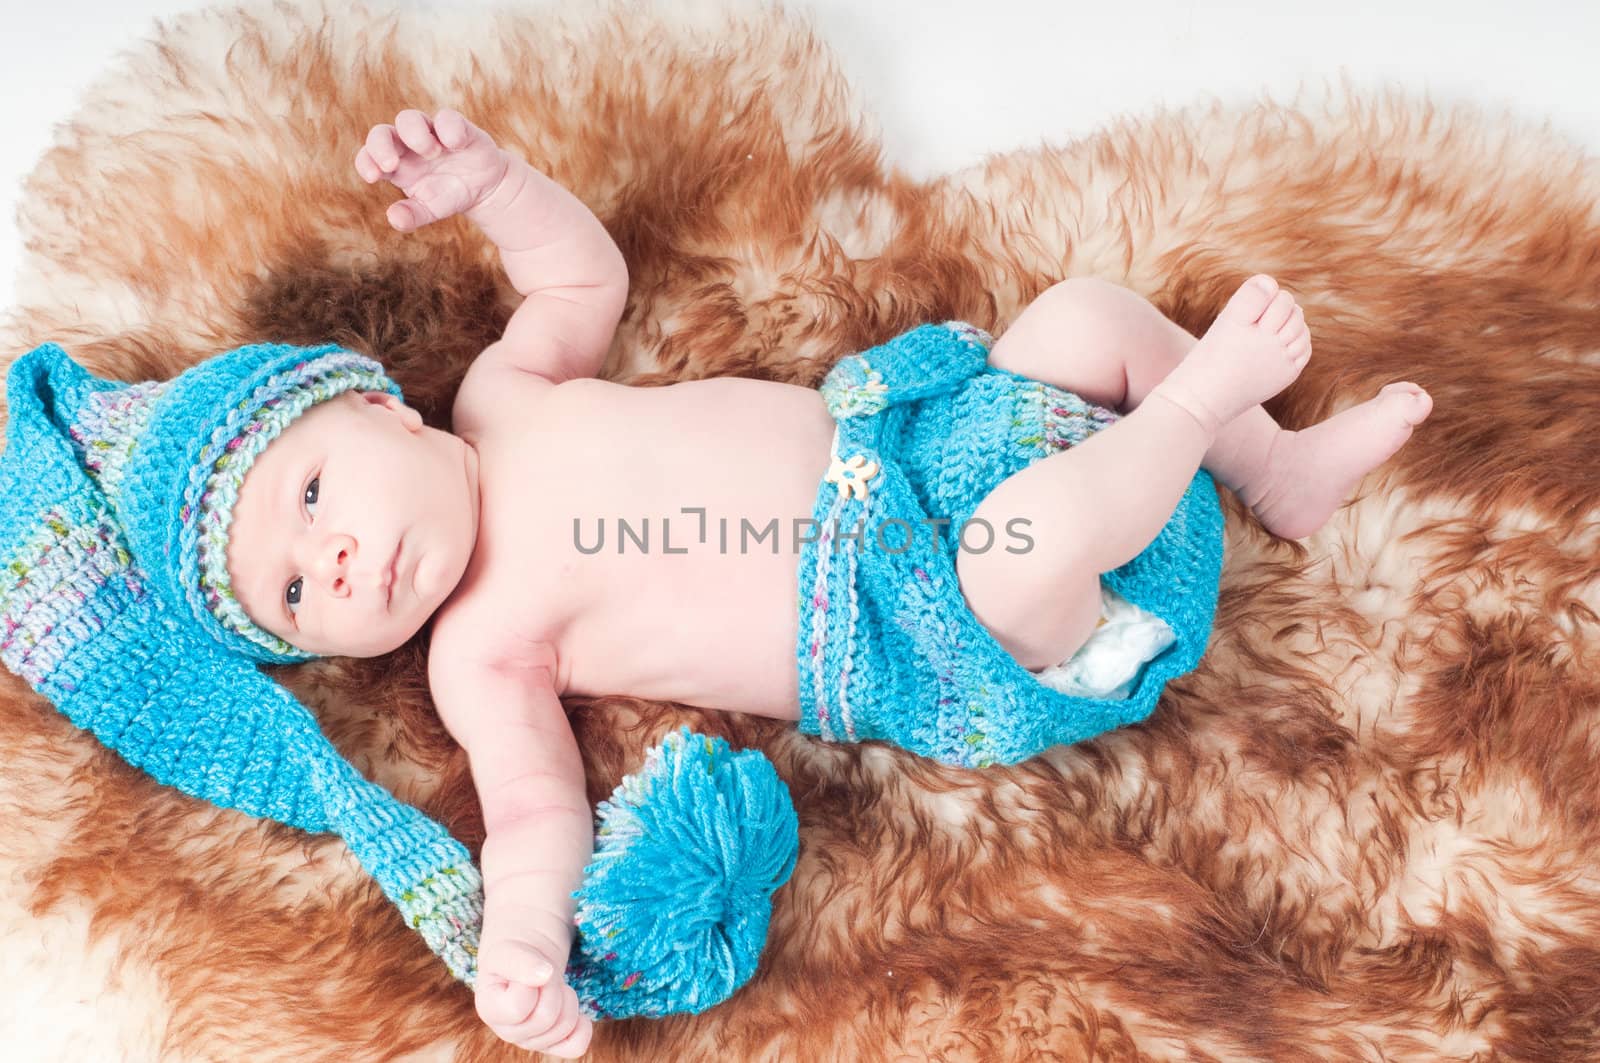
{"type": "Point", "coordinates": [353, 526]}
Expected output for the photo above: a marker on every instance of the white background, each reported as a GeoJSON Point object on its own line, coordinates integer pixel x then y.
{"type": "Point", "coordinates": [948, 81]}
{"type": "Point", "coordinates": [951, 80]}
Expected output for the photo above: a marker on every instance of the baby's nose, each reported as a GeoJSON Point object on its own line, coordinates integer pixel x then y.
{"type": "Point", "coordinates": [333, 563]}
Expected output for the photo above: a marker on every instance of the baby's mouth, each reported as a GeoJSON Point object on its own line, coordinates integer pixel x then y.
{"type": "Point", "coordinates": [394, 573]}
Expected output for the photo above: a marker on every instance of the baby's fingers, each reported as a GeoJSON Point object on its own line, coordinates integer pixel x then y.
{"type": "Point", "coordinates": [367, 167]}
{"type": "Point", "coordinates": [554, 1019]}
{"type": "Point", "coordinates": [569, 1036]}
{"type": "Point", "coordinates": [435, 196]}
{"type": "Point", "coordinates": [417, 133]}
{"type": "Point", "coordinates": [454, 131]}
{"type": "Point", "coordinates": [505, 1004]}
{"type": "Point", "coordinates": [517, 961]}
{"type": "Point", "coordinates": [408, 214]}
{"type": "Point", "coordinates": [383, 145]}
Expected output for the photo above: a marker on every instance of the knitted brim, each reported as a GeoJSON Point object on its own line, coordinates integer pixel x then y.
{"type": "Point", "coordinates": [233, 444]}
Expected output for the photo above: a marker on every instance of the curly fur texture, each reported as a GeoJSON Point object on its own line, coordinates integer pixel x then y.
{"type": "Point", "coordinates": [1364, 829]}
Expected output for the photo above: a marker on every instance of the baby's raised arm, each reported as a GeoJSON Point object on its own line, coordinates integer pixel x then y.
{"type": "Point", "coordinates": [569, 271]}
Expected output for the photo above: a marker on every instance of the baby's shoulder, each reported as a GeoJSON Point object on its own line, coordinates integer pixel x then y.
{"type": "Point", "coordinates": [492, 394]}
{"type": "Point", "coordinates": [473, 634]}
{"type": "Point", "coordinates": [474, 689]}
{"type": "Point", "coordinates": [495, 397]}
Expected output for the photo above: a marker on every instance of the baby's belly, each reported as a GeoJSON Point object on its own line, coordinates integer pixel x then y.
{"type": "Point", "coordinates": [690, 544]}
{"type": "Point", "coordinates": [717, 634]}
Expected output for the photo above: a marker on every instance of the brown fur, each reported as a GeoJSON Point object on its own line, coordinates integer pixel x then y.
{"type": "Point", "coordinates": [1363, 829]}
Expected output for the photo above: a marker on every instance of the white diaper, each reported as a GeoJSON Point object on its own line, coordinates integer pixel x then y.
{"type": "Point", "coordinates": [1109, 663]}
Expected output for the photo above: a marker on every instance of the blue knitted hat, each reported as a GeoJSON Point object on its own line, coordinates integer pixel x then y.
{"type": "Point", "coordinates": [114, 610]}
{"type": "Point", "coordinates": [170, 457]}
{"type": "Point", "coordinates": [115, 501]}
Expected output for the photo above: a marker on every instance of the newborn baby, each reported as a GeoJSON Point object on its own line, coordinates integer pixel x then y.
{"type": "Point", "coordinates": [358, 524]}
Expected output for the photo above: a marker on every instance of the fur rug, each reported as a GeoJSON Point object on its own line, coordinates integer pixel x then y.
{"type": "Point", "coordinates": [1364, 829]}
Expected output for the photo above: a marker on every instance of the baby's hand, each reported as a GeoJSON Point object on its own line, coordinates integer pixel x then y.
{"type": "Point", "coordinates": [523, 997]}
{"type": "Point", "coordinates": [444, 167]}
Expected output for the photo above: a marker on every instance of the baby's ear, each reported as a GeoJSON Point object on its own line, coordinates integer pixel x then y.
{"type": "Point", "coordinates": [411, 418]}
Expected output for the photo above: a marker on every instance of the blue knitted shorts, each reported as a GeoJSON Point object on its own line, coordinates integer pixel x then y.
{"type": "Point", "coordinates": [888, 648]}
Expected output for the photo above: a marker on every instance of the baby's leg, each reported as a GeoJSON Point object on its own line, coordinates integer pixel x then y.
{"type": "Point", "coordinates": [1094, 507]}
{"type": "Point", "coordinates": [1107, 344]}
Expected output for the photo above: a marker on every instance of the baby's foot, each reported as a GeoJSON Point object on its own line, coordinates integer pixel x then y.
{"type": "Point", "coordinates": [1255, 349]}
{"type": "Point", "coordinates": [1311, 472]}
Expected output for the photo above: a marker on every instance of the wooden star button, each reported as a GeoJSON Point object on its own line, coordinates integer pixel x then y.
{"type": "Point", "coordinates": [852, 475]}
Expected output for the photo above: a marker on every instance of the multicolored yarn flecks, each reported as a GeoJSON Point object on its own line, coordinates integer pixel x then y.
{"type": "Point", "coordinates": [887, 646]}
{"type": "Point", "coordinates": [697, 821]}
{"type": "Point", "coordinates": [106, 613]}
{"type": "Point", "coordinates": [113, 503]}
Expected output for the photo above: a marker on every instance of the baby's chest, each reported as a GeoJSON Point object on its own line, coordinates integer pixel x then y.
{"type": "Point", "coordinates": [728, 447]}
{"type": "Point", "coordinates": [653, 493]}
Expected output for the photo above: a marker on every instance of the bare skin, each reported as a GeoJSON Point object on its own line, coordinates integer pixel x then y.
{"type": "Point", "coordinates": [526, 610]}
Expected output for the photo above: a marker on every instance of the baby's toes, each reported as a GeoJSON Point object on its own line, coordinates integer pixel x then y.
{"type": "Point", "coordinates": [1299, 350]}
{"type": "Point", "coordinates": [1294, 335]}
{"type": "Point", "coordinates": [1295, 326]}
{"type": "Point", "coordinates": [1413, 403]}
{"type": "Point", "coordinates": [1277, 313]}
{"type": "Point", "coordinates": [1253, 296]}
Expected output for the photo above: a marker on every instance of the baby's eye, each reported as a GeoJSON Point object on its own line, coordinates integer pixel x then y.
{"type": "Point", "coordinates": [311, 492]}
{"type": "Point", "coordinates": [292, 595]}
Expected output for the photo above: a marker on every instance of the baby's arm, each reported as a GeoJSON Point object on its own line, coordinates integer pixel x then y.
{"type": "Point", "coordinates": [556, 253]}
{"type": "Point", "coordinates": [565, 264]}
{"type": "Point", "coordinates": [540, 837]}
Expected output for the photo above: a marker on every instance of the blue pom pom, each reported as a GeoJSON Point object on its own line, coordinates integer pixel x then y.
{"type": "Point", "coordinates": [673, 911]}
